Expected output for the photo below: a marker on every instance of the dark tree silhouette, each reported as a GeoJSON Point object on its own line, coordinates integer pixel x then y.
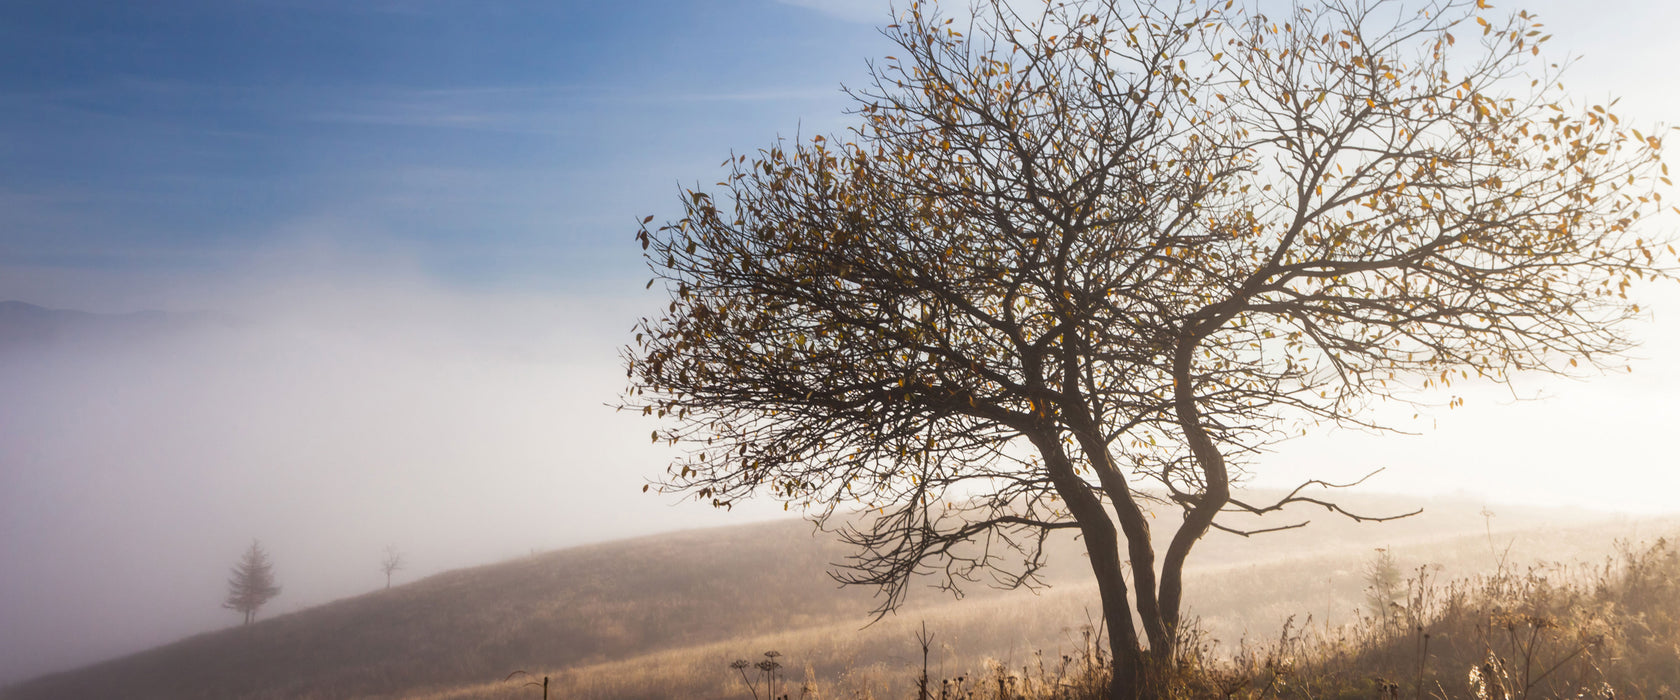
{"type": "Point", "coordinates": [1075, 265]}
{"type": "Point", "coordinates": [252, 583]}
{"type": "Point", "coordinates": [392, 563]}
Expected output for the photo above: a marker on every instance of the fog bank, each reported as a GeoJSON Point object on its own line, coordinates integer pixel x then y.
{"type": "Point", "coordinates": [327, 420]}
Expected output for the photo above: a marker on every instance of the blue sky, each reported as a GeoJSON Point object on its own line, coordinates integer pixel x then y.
{"type": "Point", "coordinates": [497, 143]}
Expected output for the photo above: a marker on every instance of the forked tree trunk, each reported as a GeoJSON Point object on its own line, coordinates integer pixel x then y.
{"type": "Point", "coordinates": [1139, 673]}
{"type": "Point", "coordinates": [1102, 546]}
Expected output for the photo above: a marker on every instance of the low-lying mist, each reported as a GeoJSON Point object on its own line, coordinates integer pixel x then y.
{"type": "Point", "coordinates": [139, 457]}
{"type": "Point", "coordinates": [333, 415]}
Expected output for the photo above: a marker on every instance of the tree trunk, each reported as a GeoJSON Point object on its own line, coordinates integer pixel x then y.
{"type": "Point", "coordinates": [1215, 496]}
{"type": "Point", "coordinates": [1102, 545]}
{"type": "Point", "coordinates": [1117, 612]}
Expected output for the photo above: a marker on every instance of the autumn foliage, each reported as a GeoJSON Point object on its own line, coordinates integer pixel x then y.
{"type": "Point", "coordinates": [1084, 260]}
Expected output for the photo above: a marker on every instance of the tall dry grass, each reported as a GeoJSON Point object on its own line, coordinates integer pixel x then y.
{"type": "Point", "coordinates": [1548, 630]}
{"type": "Point", "coordinates": [1604, 632]}
{"type": "Point", "coordinates": [1611, 630]}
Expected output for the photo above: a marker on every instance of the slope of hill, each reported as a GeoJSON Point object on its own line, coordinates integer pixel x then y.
{"type": "Point", "coordinates": [673, 610]}
{"type": "Point", "coordinates": [24, 326]}
{"type": "Point", "coordinates": [574, 606]}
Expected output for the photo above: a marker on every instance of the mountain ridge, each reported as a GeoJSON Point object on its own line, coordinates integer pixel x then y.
{"type": "Point", "coordinates": [24, 325]}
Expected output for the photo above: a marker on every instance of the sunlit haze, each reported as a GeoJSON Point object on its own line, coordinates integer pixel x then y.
{"type": "Point", "coordinates": [393, 245]}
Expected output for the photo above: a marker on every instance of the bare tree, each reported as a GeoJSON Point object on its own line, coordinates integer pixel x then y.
{"type": "Point", "coordinates": [1075, 265]}
{"type": "Point", "coordinates": [252, 583]}
{"type": "Point", "coordinates": [392, 563]}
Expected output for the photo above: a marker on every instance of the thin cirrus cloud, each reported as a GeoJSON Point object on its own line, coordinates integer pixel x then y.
{"type": "Point", "coordinates": [548, 111]}
{"type": "Point", "coordinates": [442, 125]}
{"type": "Point", "coordinates": [872, 11]}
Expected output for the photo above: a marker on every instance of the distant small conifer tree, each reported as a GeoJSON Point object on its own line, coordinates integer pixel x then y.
{"type": "Point", "coordinates": [1383, 583]}
{"type": "Point", "coordinates": [252, 583]}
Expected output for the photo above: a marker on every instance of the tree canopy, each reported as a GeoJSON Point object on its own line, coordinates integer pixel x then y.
{"type": "Point", "coordinates": [1082, 260]}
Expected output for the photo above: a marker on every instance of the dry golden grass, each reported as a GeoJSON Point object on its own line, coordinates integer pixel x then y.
{"type": "Point", "coordinates": [1549, 631]}
{"type": "Point", "coordinates": [1039, 639]}
{"type": "Point", "coordinates": [664, 616]}
{"type": "Point", "coordinates": [833, 660]}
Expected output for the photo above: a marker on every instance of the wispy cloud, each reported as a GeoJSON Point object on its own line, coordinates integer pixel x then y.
{"type": "Point", "coordinates": [524, 110]}
{"type": "Point", "coordinates": [869, 11]}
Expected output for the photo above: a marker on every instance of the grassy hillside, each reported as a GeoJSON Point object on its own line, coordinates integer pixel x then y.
{"type": "Point", "coordinates": [663, 616]}
{"type": "Point", "coordinates": [1242, 609]}
{"type": "Point", "coordinates": [575, 606]}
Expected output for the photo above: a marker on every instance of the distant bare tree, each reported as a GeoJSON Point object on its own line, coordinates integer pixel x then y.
{"type": "Point", "coordinates": [252, 583]}
{"type": "Point", "coordinates": [392, 563]}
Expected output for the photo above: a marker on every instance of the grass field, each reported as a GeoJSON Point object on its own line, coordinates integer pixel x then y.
{"type": "Point", "coordinates": [665, 616]}
{"type": "Point", "coordinates": [1251, 616]}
